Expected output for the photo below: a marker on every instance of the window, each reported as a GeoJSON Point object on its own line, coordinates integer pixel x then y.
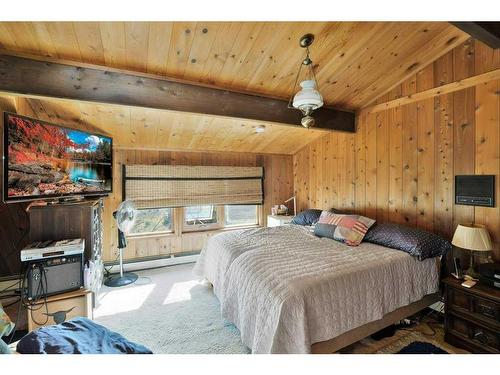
{"type": "Point", "coordinates": [240, 215]}
{"type": "Point", "coordinates": [201, 218]}
{"type": "Point", "coordinates": [197, 218]}
{"type": "Point", "coordinates": [200, 215]}
{"type": "Point", "coordinates": [153, 221]}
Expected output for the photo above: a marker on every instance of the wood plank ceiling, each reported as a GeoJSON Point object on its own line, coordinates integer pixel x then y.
{"type": "Point", "coordinates": [356, 61]}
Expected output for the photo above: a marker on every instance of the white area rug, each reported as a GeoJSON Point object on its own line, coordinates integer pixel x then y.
{"type": "Point", "coordinates": [169, 311]}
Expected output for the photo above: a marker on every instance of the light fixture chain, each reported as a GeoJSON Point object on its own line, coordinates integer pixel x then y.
{"type": "Point", "coordinates": [294, 86]}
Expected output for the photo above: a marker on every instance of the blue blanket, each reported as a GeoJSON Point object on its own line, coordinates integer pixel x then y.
{"type": "Point", "coordinates": [77, 336]}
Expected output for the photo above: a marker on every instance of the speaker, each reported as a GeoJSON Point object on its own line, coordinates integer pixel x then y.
{"type": "Point", "coordinates": [475, 190]}
{"type": "Point", "coordinates": [55, 275]}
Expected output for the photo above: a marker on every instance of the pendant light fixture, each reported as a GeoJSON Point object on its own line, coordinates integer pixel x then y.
{"type": "Point", "coordinates": [308, 99]}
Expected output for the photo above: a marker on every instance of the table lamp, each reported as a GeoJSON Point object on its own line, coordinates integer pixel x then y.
{"type": "Point", "coordinates": [474, 238]}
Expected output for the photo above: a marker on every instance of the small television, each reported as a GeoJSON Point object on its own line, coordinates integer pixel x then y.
{"type": "Point", "coordinates": [475, 190]}
{"type": "Point", "coordinates": [43, 160]}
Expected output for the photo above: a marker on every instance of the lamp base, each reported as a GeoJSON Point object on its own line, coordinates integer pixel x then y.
{"type": "Point", "coordinates": [117, 280]}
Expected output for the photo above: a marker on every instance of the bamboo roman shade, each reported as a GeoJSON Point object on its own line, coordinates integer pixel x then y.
{"type": "Point", "coordinates": [154, 186]}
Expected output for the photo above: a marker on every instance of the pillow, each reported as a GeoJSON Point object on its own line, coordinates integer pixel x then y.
{"type": "Point", "coordinates": [416, 242]}
{"type": "Point", "coordinates": [307, 217]}
{"type": "Point", "coordinates": [349, 229]}
{"type": "Point", "coordinates": [310, 216]}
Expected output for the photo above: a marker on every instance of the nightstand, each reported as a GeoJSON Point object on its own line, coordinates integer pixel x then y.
{"type": "Point", "coordinates": [472, 316]}
{"type": "Point", "coordinates": [278, 220]}
{"type": "Point", "coordinates": [61, 307]}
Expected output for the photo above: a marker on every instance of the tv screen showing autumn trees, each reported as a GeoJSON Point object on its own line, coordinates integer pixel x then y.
{"type": "Point", "coordinates": [48, 160]}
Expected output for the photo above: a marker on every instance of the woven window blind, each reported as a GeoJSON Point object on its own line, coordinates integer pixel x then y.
{"type": "Point", "coordinates": [155, 186]}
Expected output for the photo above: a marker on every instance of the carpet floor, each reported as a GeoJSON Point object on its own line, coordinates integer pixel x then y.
{"type": "Point", "coordinates": [170, 312]}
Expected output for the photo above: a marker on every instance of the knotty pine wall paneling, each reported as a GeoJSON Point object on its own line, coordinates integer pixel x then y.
{"type": "Point", "coordinates": [405, 158]}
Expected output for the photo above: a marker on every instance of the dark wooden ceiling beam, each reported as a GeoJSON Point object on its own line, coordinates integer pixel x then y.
{"type": "Point", "coordinates": [486, 32]}
{"type": "Point", "coordinates": [25, 76]}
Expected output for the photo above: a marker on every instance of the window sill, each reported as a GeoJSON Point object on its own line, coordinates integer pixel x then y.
{"type": "Point", "coordinates": [139, 236]}
{"type": "Point", "coordinates": [223, 229]}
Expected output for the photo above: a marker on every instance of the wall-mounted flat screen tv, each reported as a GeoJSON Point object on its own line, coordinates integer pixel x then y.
{"type": "Point", "coordinates": [43, 160]}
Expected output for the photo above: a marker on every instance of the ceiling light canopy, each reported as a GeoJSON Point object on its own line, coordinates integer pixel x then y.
{"type": "Point", "coordinates": [308, 98]}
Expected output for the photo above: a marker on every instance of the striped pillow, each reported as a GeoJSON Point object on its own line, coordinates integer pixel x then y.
{"type": "Point", "coordinates": [349, 229]}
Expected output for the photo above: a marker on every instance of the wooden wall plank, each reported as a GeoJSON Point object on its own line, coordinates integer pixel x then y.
{"type": "Point", "coordinates": [410, 155]}
{"type": "Point", "coordinates": [341, 172]}
{"type": "Point", "coordinates": [382, 167]}
{"type": "Point", "coordinates": [351, 173]}
{"type": "Point", "coordinates": [426, 157]}
{"type": "Point", "coordinates": [395, 197]}
{"type": "Point", "coordinates": [443, 130]}
{"type": "Point", "coordinates": [487, 151]}
{"type": "Point", "coordinates": [464, 103]}
{"type": "Point", "coordinates": [371, 167]}
{"type": "Point", "coordinates": [360, 155]}
{"type": "Point", "coordinates": [487, 136]}
{"type": "Point", "coordinates": [335, 182]}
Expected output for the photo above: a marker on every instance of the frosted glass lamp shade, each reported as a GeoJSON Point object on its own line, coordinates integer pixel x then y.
{"type": "Point", "coordinates": [308, 99]}
{"type": "Point", "coordinates": [473, 237]}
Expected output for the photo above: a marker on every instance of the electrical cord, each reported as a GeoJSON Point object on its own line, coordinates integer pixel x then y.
{"type": "Point", "coordinates": [41, 291]}
{"type": "Point", "coordinates": [107, 270]}
{"type": "Point", "coordinates": [18, 282]}
{"type": "Point", "coordinates": [28, 304]}
{"type": "Point", "coordinates": [429, 323]}
{"type": "Point", "coordinates": [21, 277]}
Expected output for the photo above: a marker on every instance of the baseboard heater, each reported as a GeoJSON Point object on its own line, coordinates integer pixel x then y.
{"type": "Point", "coordinates": [149, 263]}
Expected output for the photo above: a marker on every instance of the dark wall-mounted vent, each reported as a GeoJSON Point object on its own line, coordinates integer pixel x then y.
{"type": "Point", "coordinates": [475, 190]}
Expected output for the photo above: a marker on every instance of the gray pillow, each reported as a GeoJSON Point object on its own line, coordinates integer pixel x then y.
{"type": "Point", "coordinates": [416, 242]}
{"type": "Point", "coordinates": [307, 217]}
{"type": "Point", "coordinates": [310, 216]}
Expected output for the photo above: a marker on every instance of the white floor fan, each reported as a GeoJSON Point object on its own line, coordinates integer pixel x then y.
{"type": "Point", "coordinates": [125, 218]}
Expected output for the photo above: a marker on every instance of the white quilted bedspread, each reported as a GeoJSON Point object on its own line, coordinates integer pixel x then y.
{"type": "Point", "coordinates": [285, 288]}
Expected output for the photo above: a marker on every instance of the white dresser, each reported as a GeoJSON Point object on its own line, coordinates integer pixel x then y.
{"type": "Point", "coordinates": [278, 220]}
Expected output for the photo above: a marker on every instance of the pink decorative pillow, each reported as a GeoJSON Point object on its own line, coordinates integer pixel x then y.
{"type": "Point", "coordinates": [349, 229]}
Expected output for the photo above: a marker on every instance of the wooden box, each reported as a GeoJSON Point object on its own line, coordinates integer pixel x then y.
{"type": "Point", "coordinates": [61, 307]}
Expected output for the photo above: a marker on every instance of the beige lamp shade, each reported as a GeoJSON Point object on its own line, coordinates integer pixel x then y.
{"type": "Point", "coordinates": [472, 237]}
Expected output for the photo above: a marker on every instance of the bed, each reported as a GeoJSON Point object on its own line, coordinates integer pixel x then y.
{"type": "Point", "coordinates": [289, 291]}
